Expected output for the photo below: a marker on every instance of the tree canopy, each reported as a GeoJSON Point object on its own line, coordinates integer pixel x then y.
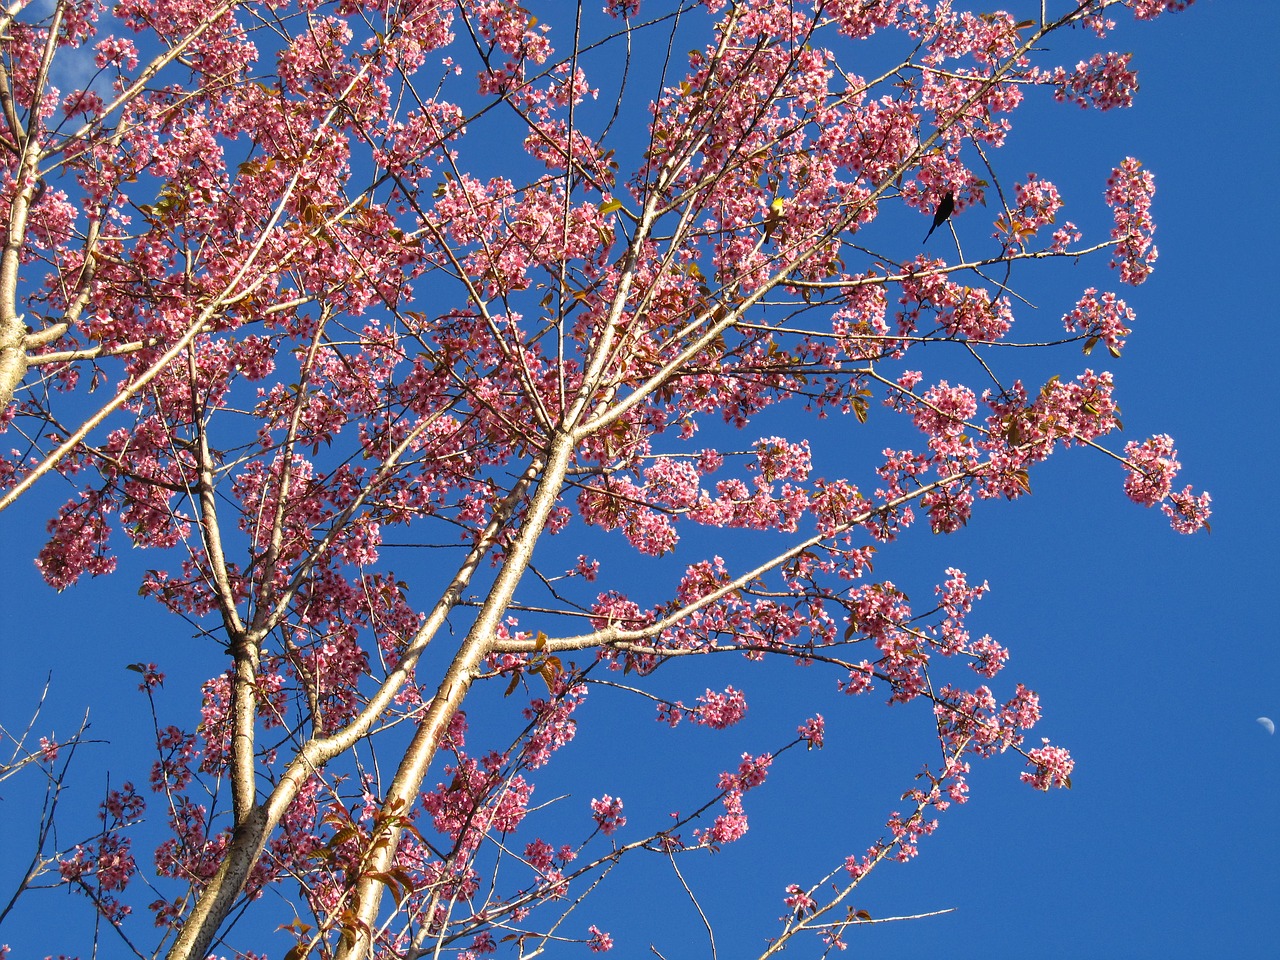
{"type": "Point", "coordinates": [622, 337]}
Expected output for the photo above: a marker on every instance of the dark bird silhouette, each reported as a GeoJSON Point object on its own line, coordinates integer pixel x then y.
{"type": "Point", "coordinates": [942, 214]}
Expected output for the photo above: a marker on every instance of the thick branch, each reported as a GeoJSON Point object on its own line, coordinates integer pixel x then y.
{"type": "Point", "coordinates": [251, 834]}
{"type": "Point", "coordinates": [479, 642]}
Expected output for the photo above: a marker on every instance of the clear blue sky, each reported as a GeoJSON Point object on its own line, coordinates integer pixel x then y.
{"type": "Point", "coordinates": [1153, 653]}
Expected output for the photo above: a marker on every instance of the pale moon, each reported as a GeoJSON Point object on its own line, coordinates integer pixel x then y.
{"type": "Point", "coordinates": [1267, 724]}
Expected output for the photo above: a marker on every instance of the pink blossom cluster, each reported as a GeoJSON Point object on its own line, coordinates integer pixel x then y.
{"type": "Point", "coordinates": [942, 414]}
{"type": "Point", "coordinates": [178, 750]}
{"type": "Point", "coordinates": [861, 679]}
{"type": "Point", "coordinates": [956, 599]}
{"type": "Point", "coordinates": [732, 824]}
{"type": "Point", "coordinates": [1062, 413]}
{"type": "Point", "coordinates": [544, 858]}
{"type": "Point", "coordinates": [989, 657]}
{"type": "Point", "coordinates": [553, 723]}
{"type": "Point", "coordinates": [1187, 511]}
{"type": "Point", "coordinates": [617, 503]}
{"type": "Point", "coordinates": [988, 38]}
{"type": "Point", "coordinates": [608, 814]}
{"type": "Point", "coordinates": [1053, 767]}
{"type": "Point", "coordinates": [899, 470]}
{"type": "Point", "coordinates": [858, 20]}
{"type": "Point", "coordinates": [1102, 319]}
{"type": "Point", "coordinates": [835, 505]}
{"type": "Point", "coordinates": [813, 730]}
{"type": "Point", "coordinates": [907, 833]}
{"type": "Point", "coordinates": [78, 542]}
{"type": "Point", "coordinates": [860, 324]}
{"type": "Point", "coordinates": [985, 119]}
{"type": "Point", "coordinates": [214, 744]}
{"type": "Point", "coordinates": [1152, 466]}
{"type": "Point", "coordinates": [963, 311]}
{"type": "Point", "coordinates": [1129, 193]}
{"type": "Point", "coordinates": [715, 710]}
{"type": "Point", "coordinates": [600, 941]}
{"type": "Point", "coordinates": [974, 721]}
{"type": "Point", "coordinates": [1148, 9]}
{"type": "Point", "coordinates": [192, 851]}
{"type": "Point", "coordinates": [622, 8]}
{"type": "Point", "coordinates": [949, 507]}
{"type": "Point", "coordinates": [116, 51]}
{"type": "Point", "coordinates": [721, 711]}
{"type": "Point", "coordinates": [798, 901]}
{"type": "Point", "coordinates": [1036, 206]}
{"type": "Point", "coordinates": [104, 867]}
{"type": "Point", "coordinates": [478, 798]}
{"type": "Point", "coordinates": [1105, 82]}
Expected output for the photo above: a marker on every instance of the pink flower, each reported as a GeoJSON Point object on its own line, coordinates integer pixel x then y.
{"type": "Point", "coordinates": [860, 680]}
{"type": "Point", "coordinates": [1106, 320]}
{"type": "Point", "coordinates": [608, 814]}
{"type": "Point", "coordinates": [1038, 203]}
{"type": "Point", "coordinates": [539, 854]}
{"type": "Point", "coordinates": [622, 8]}
{"type": "Point", "coordinates": [752, 770]}
{"type": "Point", "coordinates": [1186, 512]}
{"type": "Point", "coordinates": [600, 941]}
{"type": "Point", "coordinates": [1149, 9]}
{"type": "Point", "coordinates": [1053, 767]}
{"type": "Point", "coordinates": [1104, 82]}
{"type": "Point", "coordinates": [1129, 193]}
{"type": "Point", "coordinates": [799, 901]}
{"type": "Point", "coordinates": [152, 678]}
{"type": "Point", "coordinates": [1152, 466]}
{"type": "Point", "coordinates": [812, 730]}
{"type": "Point", "coordinates": [587, 569]}
{"type": "Point", "coordinates": [119, 51]}
{"type": "Point", "coordinates": [720, 710]}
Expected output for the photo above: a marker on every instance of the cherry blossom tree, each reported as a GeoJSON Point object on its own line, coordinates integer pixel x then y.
{"type": "Point", "coordinates": [281, 282]}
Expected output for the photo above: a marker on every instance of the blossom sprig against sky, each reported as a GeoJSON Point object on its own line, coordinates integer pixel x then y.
{"type": "Point", "coordinates": [1129, 192]}
{"type": "Point", "coordinates": [630, 344]}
